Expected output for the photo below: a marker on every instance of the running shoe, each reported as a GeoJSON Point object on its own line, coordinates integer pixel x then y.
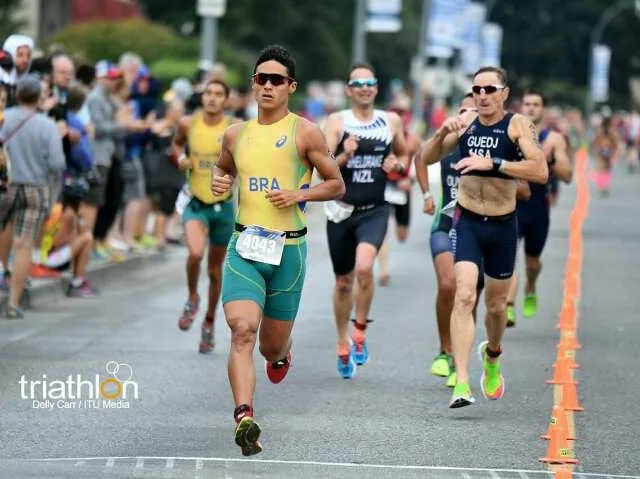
{"type": "Point", "coordinates": [492, 382]}
{"type": "Point", "coordinates": [461, 396]}
{"type": "Point", "coordinates": [278, 370]}
{"type": "Point", "coordinates": [189, 314]}
{"type": "Point", "coordinates": [441, 365]}
{"type": "Point", "coordinates": [452, 379]}
{"type": "Point", "coordinates": [207, 340]}
{"type": "Point", "coordinates": [247, 435]}
{"type": "Point", "coordinates": [14, 312]}
{"type": "Point", "coordinates": [360, 352]}
{"type": "Point", "coordinates": [530, 306]}
{"type": "Point", "coordinates": [84, 290]}
{"type": "Point", "coordinates": [511, 316]}
{"type": "Point", "coordinates": [346, 366]}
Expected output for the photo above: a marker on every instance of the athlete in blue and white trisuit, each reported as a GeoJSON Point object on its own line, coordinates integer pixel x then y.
{"type": "Point", "coordinates": [442, 248]}
{"type": "Point", "coordinates": [496, 148]}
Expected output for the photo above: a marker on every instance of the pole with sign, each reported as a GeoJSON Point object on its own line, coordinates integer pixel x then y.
{"type": "Point", "coordinates": [471, 53]}
{"type": "Point", "coordinates": [210, 11]}
{"type": "Point", "coordinates": [600, 59]}
{"type": "Point", "coordinates": [491, 44]}
{"type": "Point", "coordinates": [359, 47]}
{"type": "Point", "coordinates": [383, 16]}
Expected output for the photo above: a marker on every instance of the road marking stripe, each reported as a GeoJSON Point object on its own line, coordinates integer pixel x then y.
{"type": "Point", "coordinates": [140, 463]}
{"type": "Point", "coordinates": [170, 462]}
{"type": "Point", "coordinates": [321, 464]}
{"type": "Point", "coordinates": [199, 464]}
{"type": "Point", "coordinates": [110, 462]}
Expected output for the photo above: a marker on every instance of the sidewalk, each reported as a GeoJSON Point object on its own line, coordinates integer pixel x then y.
{"type": "Point", "coordinates": [100, 272]}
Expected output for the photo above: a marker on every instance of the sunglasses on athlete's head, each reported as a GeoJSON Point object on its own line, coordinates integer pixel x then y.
{"type": "Point", "coordinates": [370, 82]}
{"type": "Point", "coordinates": [274, 78]}
{"type": "Point", "coordinates": [487, 89]}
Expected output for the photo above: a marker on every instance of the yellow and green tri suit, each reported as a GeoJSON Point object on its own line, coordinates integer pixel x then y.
{"type": "Point", "coordinates": [214, 211]}
{"type": "Point", "coordinates": [266, 157]}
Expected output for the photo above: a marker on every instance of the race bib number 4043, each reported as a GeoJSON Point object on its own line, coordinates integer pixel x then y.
{"type": "Point", "coordinates": [260, 244]}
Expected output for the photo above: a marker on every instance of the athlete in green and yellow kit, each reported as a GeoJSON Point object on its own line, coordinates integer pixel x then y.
{"type": "Point", "coordinates": [206, 216]}
{"type": "Point", "coordinates": [272, 158]}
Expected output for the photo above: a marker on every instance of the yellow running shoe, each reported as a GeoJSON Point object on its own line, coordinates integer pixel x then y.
{"type": "Point", "coordinates": [492, 381]}
{"type": "Point", "coordinates": [441, 365]}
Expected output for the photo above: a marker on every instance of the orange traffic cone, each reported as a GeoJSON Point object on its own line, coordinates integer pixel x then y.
{"type": "Point", "coordinates": [568, 316]}
{"type": "Point", "coordinates": [570, 397]}
{"type": "Point", "coordinates": [558, 451]}
{"type": "Point", "coordinates": [563, 474]}
{"type": "Point", "coordinates": [570, 339]}
{"type": "Point", "coordinates": [568, 354]}
{"type": "Point", "coordinates": [558, 420]}
{"type": "Point", "coordinates": [561, 372]}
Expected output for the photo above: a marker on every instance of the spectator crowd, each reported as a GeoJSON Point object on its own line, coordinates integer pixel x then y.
{"type": "Point", "coordinates": [86, 164]}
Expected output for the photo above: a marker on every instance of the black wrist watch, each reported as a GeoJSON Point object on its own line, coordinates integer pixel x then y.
{"type": "Point", "coordinates": [497, 164]}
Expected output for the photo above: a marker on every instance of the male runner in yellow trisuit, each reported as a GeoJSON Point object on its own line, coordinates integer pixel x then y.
{"type": "Point", "coordinates": [206, 214]}
{"type": "Point", "coordinates": [273, 158]}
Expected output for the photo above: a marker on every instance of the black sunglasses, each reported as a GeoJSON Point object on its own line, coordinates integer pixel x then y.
{"type": "Point", "coordinates": [488, 89]}
{"type": "Point", "coordinates": [274, 78]}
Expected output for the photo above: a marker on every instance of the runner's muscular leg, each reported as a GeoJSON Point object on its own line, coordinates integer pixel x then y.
{"type": "Point", "coordinates": [365, 257]}
{"type": "Point", "coordinates": [243, 317]}
{"type": "Point", "coordinates": [462, 324]}
{"type": "Point", "coordinates": [196, 239]}
{"type": "Point", "coordinates": [216, 259]}
{"type": "Point", "coordinates": [275, 338]}
{"type": "Point", "coordinates": [342, 306]}
{"type": "Point", "coordinates": [495, 294]}
{"type": "Point", "coordinates": [443, 264]}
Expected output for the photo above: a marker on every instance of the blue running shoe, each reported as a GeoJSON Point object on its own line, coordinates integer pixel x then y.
{"type": "Point", "coordinates": [346, 366]}
{"type": "Point", "coordinates": [360, 353]}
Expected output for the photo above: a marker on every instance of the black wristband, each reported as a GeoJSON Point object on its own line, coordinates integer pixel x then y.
{"type": "Point", "coordinates": [497, 163]}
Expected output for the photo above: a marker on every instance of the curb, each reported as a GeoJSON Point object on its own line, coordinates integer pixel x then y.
{"type": "Point", "coordinates": [44, 291]}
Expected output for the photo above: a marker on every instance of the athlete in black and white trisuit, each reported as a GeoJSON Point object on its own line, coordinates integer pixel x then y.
{"type": "Point", "coordinates": [368, 144]}
{"type": "Point", "coordinates": [534, 214]}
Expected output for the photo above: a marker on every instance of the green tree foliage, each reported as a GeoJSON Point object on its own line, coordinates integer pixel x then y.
{"type": "Point", "coordinates": [8, 23]}
{"type": "Point", "coordinates": [545, 42]}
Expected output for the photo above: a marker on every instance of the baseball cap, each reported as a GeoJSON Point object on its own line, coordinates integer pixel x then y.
{"type": "Point", "coordinates": [104, 69]}
{"type": "Point", "coordinates": [28, 85]}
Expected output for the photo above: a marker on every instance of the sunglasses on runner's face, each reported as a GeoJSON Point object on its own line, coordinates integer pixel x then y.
{"type": "Point", "coordinates": [275, 78]}
{"type": "Point", "coordinates": [370, 82]}
{"type": "Point", "coordinates": [488, 89]}
{"type": "Point", "coordinates": [464, 110]}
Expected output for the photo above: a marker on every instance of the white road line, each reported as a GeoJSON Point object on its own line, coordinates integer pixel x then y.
{"type": "Point", "coordinates": [349, 465]}
{"type": "Point", "coordinates": [523, 475]}
{"type": "Point", "coordinates": [80, 463]}
{"type": "Point", "coordinates": [140, 463]}
{"type": "Point", "coordinates": [494, 475]}
{"type": "Point", "coordinates": [170, 462]}
{"type": "Point", "coordinates": [110, 462]}
{"type": "Point", "coordinates": [466, 476]}
{"type": "Point", "coordinates": [199, 464]}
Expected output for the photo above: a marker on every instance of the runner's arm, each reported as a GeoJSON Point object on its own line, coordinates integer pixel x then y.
{"type": "Point", "coordinates": [534, 167]}
{"type": "Point", "coordinates": [318, 153]}
{"type": "Point", "coordinates": [332, 130]}
{"type": "Point", "coordinates": [523, 192]}
{"type": "Point", "coordinates": [422, 172]}
{"type": "Point", "coordinates": [446, 138]}
{"type": "Point", "coordinates": [225, 165]}
{"type": "Point", "coordinates": [562, 163]}
{"type": "Point", "coordinates": [180, 139]}
{"type": "Point", "coordinates": [399, 145]}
